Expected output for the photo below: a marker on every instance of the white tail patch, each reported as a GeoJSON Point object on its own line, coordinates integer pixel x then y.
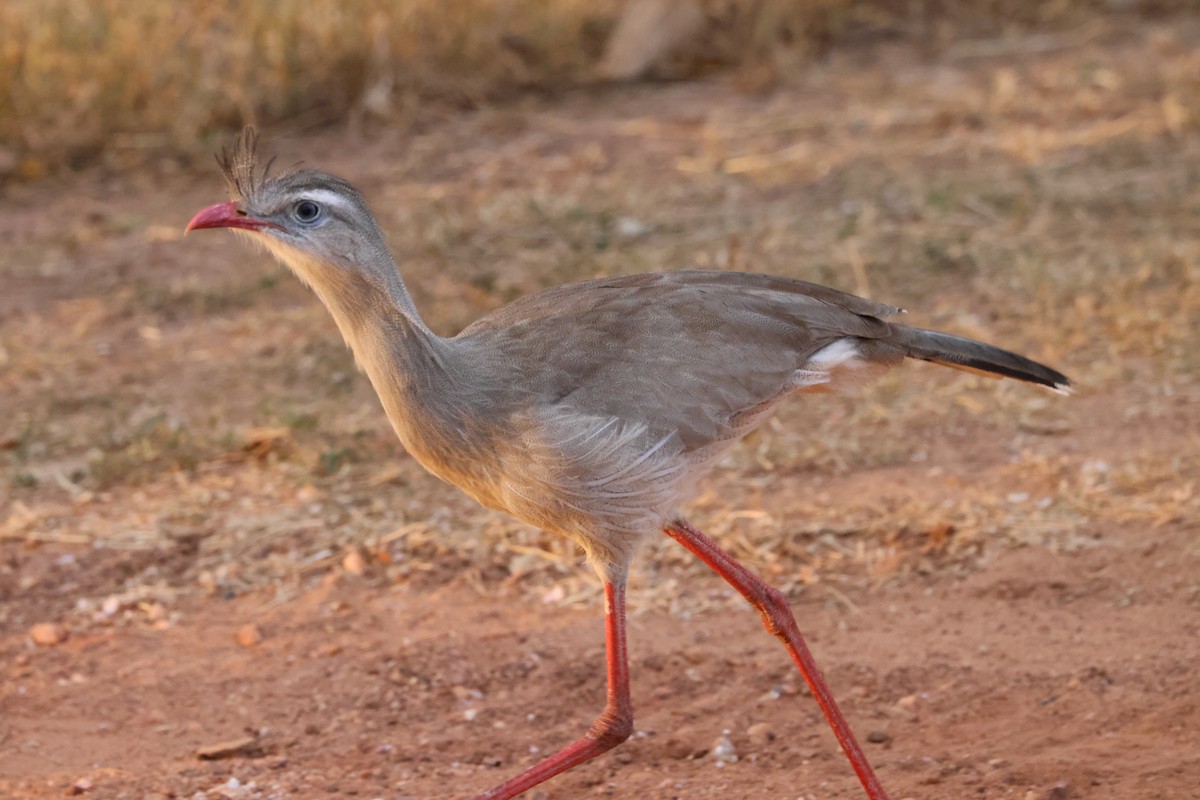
{"type": "Point", "coordinates": [841, 363]}
{"type": "Point", "coordinates": [835, 355]}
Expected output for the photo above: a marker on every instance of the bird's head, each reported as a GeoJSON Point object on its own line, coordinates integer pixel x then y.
{"type": "Point", "coordinates": [317, 224]}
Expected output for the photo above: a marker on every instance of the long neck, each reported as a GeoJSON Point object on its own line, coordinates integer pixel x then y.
{"type": "Point", "coordinates": [381, 325]}
{"type": "Point", "coordinates": [379, 321]}
{"type": "Point", "coordinates": [431, 392]}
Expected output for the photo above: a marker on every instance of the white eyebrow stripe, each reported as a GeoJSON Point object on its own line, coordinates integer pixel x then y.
{"type": "Point", "coordinates": [327, 197]}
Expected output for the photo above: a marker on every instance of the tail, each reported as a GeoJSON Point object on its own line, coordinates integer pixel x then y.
{"type": "Point", "coordinates": [977, 357]}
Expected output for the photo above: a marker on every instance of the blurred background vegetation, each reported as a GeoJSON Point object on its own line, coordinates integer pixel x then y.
{"type": "Point", "coordinates": [112, 81]}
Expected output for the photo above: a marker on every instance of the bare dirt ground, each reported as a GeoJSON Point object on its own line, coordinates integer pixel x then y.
{"type": "Point", "coordinates": [211, 544]}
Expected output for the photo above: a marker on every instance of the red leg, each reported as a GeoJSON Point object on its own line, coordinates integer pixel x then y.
{"type": "Point", "coordinates": [613, 726]}
{"type": "Point", "coordinates": [777, 617]}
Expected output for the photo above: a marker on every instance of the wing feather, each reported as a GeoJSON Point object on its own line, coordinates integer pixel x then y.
{"type": "Point", "coordinates": [688, 353]}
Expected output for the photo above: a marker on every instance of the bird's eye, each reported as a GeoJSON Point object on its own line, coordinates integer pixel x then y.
{"type": "Point", "coordinates": [307, 211]}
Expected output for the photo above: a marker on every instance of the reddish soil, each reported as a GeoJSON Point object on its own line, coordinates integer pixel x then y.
{"type": "Point", "coordinates": [1036, 672]}
{"type": "Point", "coordinates": [1002, 589]}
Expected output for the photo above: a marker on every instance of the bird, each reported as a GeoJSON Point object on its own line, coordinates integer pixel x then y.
{"type": "Point", "coordinates": [590, 409]}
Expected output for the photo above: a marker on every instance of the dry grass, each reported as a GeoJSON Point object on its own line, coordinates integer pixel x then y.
{"type": "Point", "coordinates": [123, 78]}
{"type": "Point", "coordinates": [80, 77]}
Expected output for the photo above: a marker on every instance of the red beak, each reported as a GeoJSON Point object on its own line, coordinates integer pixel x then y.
{"type": "Point", "coordinates": [227, 215]}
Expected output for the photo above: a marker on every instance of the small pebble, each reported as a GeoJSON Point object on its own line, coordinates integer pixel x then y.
{"type": "Point", "coordinates": [1059, 791]}
{"type": "Point", "coordinates": [354, 563]}
{"type": "Point", "coordinates": [228, 749]}
{"type": "Point", "coordinates": [723, 750]}
{"type": "Point", "coordinates": [249, 635]}
{"type": "Point", "coordinates": [47, 634]}
{"type": "Point", "coordinates": [761, 733]}
{"type": "Point", "coordinates": [677, 749]}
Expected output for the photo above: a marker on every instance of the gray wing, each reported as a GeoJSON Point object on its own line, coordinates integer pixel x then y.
{"type": "Point", "coordinates": [687, 352]}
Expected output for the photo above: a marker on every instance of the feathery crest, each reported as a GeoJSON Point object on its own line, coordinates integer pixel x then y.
{"type": "Point", "coordinates": [239, 165]}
